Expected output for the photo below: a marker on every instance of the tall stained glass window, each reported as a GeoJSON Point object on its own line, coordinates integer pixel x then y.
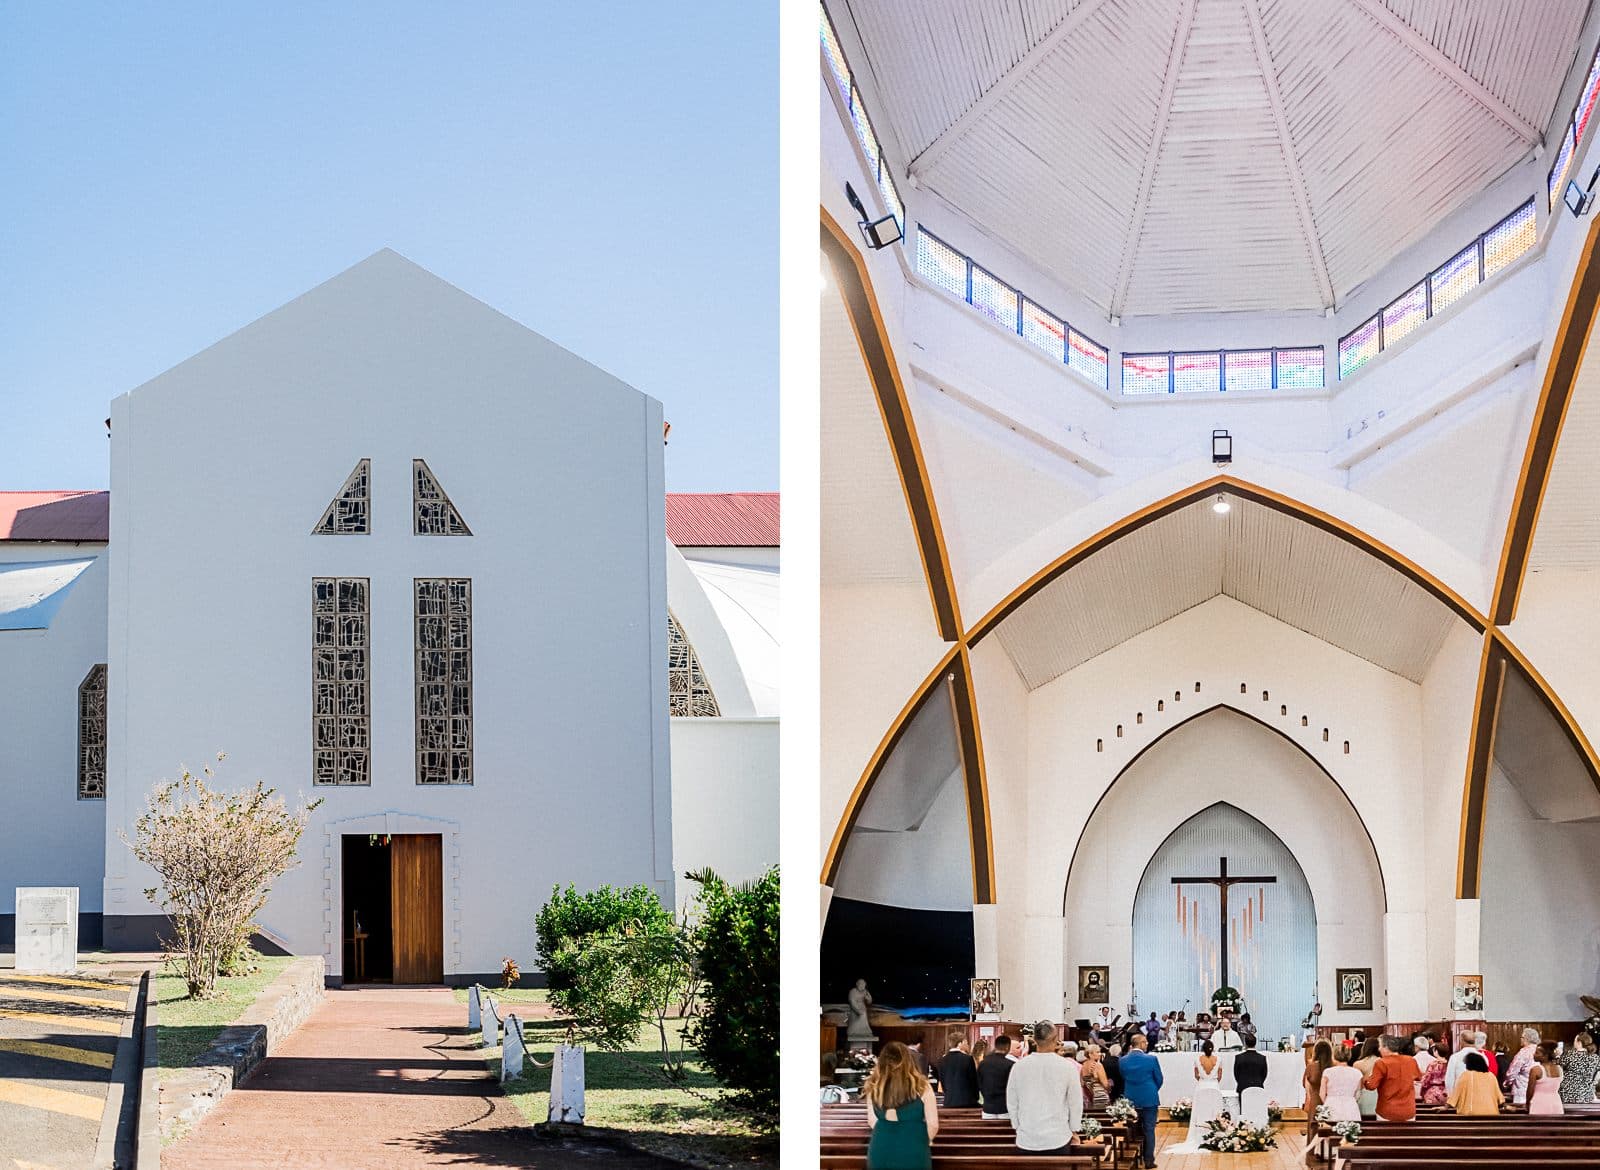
{"type": "Point", "coordinates": [92, 734]}
{"type": "Point", "coordinates": [341, 714]}
{"type": "Point", "coordinates": [444, 680]}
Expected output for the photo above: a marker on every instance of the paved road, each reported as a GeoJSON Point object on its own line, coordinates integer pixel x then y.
{"type": "Point", "coordinates": [58, 1034]}
{"type": "Point", "coordinates": [379, 1079]}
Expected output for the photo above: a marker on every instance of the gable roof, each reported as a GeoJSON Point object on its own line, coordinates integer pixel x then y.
{"type": "Point", "coordinates": [726, 519]}
{"type": "Point", "coordinates": [46, 516]}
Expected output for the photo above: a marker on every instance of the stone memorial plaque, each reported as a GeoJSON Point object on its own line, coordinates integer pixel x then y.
{"type": "Point", "coordinates": [47, 929]}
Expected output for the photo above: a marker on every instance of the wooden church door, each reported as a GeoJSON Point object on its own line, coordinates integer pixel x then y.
{"type": "Point", "coordinates": [416, 875]}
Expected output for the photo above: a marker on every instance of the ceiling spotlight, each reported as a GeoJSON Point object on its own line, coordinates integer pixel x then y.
{"type": "Point", "coordinates": [1221, 506]}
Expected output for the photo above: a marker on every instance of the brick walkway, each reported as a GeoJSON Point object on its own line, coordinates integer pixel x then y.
{"type": "Point", "coordinates": [379, 1079]}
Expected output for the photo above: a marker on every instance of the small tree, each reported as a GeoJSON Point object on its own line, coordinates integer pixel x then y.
{"type": "Point", "coordinates": [736, 953]}
{"type": "Point", "coordinates": [569, 917]}
{"type": "Point", "coordinates": [628, 976]}
{"type": "Point", "coordinates": [217, 854]}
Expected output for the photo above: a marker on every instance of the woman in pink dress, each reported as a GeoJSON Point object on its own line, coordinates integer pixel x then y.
{"type": "Point", "coordinates": [1544, 1082]}
{"type": "Point", "coordinates": [1340, 1084]}
{"type": "Point", "coordinates": [1433, 1091]}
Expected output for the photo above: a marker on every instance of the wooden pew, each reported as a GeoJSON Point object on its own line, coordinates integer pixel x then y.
{"type": "Point", "coordinates": [1008, 1161]}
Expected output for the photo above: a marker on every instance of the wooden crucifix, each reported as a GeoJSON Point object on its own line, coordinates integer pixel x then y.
{"type": "Point", "coordinates": [1222, 883]}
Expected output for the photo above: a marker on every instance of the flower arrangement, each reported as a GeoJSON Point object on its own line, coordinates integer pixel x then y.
{"type": "Point", "coordinates": [1226, 1136]}
{"type": "Point", "coordinates": [510, 973]}
{"type": "Point", "coordinates": [1274, 1112]}
{"type": "Point", "coordinates": [1348, 1131]}
{"type": "Point", "coordinates": [858, 1060]}
{"type": "Point", "coordinates": [1091, 1130]}
{"type": "Point", "coordinates": [1229, 998]}
{"type": "Point", "coordinates": [1121, 1110]}
{"type": "Point", "coordinates": [1182, 1109]}
{"type": "Point", "coordinates": [1166, 1046]}
{"type": "Point", "coordinates": [1323, 1115]}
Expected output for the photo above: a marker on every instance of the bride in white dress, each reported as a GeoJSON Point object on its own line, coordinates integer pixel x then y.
{"type": "Point", "coordinates": [1207, 1099]}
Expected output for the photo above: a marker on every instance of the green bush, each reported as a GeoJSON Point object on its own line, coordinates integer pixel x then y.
{"type": "Point", "coordinates": [736, 946]}
{"type": "Point", "coordinates": [570, 916]}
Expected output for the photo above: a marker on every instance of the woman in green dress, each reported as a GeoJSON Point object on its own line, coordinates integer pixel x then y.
{"type": "Point", "coordinates": [901, 1111]}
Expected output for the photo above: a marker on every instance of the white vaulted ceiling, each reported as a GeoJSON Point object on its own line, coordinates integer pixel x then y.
{"type": "Point", "coordinates": [1171, 156]}
{"type": "Point", "coordinates": [1275, 563]}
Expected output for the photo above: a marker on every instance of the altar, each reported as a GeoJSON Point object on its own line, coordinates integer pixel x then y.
{"type": "Point", "coordinates": [1285, 1071]}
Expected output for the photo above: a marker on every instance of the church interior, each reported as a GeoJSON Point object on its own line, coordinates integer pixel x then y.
{"type": "Point", "coordinates": [1210, 530]}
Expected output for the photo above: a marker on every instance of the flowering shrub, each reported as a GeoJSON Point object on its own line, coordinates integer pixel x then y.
{"type": "Point", "coordinates": [1091, 1128]}
{"type": "Point", "coordinates": [1181, 1109]}
{"type": "Point", "coordinates": [1348, 1131]}
{"type": "Point", "coordinates": [1227, 1136]}
{"type": "Point", "coordinates": [1274, 1112]}
{"type": "Point", "coordinates": [1121, 1109]}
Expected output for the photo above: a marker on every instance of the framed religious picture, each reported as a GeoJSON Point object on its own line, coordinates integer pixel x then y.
{"type": "Point", "coordinates": [1094, 984]}
{"type": "Point", "coordinates": [1466, 994]}
{"type": "Point", "coordinates": [1355, 989]}
{"type": "Point", "coordinates": [985, 997]}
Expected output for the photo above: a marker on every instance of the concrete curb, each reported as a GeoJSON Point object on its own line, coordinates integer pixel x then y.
{"type": "Point", "coordinates": [114, 1147]}
{"type": "Point", "coordinates": [285, 1003]}
{"type": "Point", "coordinates": [147, 1134]}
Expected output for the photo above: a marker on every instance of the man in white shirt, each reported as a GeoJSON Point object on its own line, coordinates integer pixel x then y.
{"type": "Point", "coordinates": [1044, 1096]}
{"type": "Point", "coordinates": [1458, 1058]}
{"type": "Point", "coordinates": [1422, 1053]}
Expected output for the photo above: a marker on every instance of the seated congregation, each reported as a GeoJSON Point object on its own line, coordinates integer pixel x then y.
{"type": "Point", "coordinates": [1368, 1102]}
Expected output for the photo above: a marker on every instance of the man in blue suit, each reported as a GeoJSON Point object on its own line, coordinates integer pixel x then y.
{"type": "Point", "coordinates": [1141, 1075]}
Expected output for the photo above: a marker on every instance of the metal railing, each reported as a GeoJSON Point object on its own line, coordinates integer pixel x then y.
{"type": "Point", "coordinates": [1492, 251]}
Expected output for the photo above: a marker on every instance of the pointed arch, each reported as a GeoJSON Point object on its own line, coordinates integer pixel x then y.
{"type": "Point", "coordinates": [1259, 722]}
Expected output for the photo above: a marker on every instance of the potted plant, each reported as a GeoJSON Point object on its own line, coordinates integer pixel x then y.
{"type": "Point", "coordinates": [1091, 1131]}
{"type": "Point", "coordinates": [1122, 1110]}
{"type": "Point", "coordinates": [1181, 1110]}
{"type": "Point", "coordinates": [1348, 1132]}
{"type": "Point", "coordinates": [1274, 1112]}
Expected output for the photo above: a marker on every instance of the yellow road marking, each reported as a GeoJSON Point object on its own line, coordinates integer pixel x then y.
{"type": "Point", "coordinates": [61, 997]}
{"type": "Point", "coordinates": [65, 981]}
{"type": "Point", "coordinates": [54, 1100]}
{"type": "Point", "coordinates": [57, 1052]}
{"type": "Point", "coordinates": [87, 1023]}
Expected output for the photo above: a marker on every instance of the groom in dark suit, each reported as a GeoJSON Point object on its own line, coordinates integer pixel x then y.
{"type": "Point", "coordinates": [1250, 1067]}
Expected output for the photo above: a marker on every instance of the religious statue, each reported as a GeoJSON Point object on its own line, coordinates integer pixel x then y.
{"type": "Point", "coordinates": [860, 1000]}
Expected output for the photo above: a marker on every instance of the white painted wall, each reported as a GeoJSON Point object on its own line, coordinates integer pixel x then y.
{"type": "Point", "coordinates": [1540, 922]}
{"type": "Point", "coordinates": [724, 798]}
{"type": "Point", "coordinates": [48, 837]}
{"type": "Point", "coordinates": [221, 467]}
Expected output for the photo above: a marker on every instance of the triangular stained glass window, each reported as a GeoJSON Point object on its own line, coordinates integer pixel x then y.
{"type": "Point", "coordinates": [432, 512]}
{"type": "Point", "coordinates": [350, 513]}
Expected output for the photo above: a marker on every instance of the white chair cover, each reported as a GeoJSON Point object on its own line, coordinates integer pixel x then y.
{"type": "Point", "coordinates": [1253, 1106]}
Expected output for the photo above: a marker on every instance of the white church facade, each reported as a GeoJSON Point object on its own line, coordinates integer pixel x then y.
{"type": "Point", "coordinates": [1187, 499]}
{"type": "Point", "coordinates": [389, 549]}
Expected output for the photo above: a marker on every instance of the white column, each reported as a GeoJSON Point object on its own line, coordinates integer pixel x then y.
{"type": "Point", "coordinates": [1040, 996]}
{"type": "Point", "coordinates": [985, 941]}
{"type": "Point", "coordinates": [1406, 964]}
{"type": "Point", "coordinates": [1468, 959]}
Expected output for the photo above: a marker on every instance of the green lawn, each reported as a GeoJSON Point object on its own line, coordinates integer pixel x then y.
{"type": "Point", "coordinates": [626, 1092]}
{"type": "Point", "coordinates": [186, 1027]}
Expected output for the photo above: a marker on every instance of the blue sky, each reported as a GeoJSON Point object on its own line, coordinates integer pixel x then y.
{"type": "Point", "coordinates": [605, 173]}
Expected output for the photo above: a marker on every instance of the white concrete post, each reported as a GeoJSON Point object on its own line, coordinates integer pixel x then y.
{"type": "Point", "coordinates": [566, 1085]}
{"type": "Point", "coordinates": [491, 1023]}
{"type": "Point", "coordinates": [474, 1018]}
{"type": "Point", "coordinates": [512, 1052]}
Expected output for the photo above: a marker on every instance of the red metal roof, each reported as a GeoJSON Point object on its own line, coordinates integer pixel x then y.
{"type": "Point", "coordinates": [730, 519]}
{"type": "Point", "coordinates": [748, 519]}
{"type": "Point", "coordinates": [55, 516]}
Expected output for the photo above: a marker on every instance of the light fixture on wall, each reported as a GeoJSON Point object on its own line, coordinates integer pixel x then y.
{"type": "Point", "coordinates": [879, 233]}
{"type": "Point", "coordinates": [1221, 506]}
{"type": "Point", "coordinates": [1580, 199]}
{"type": "Point", "coordinates": [1221, 447]}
